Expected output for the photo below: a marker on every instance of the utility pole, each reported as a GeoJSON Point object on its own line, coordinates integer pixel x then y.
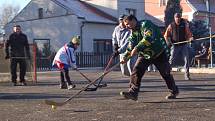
{"type": "Point", "coordinates": [209, 27]}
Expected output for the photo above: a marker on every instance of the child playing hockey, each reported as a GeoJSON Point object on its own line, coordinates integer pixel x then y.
{"type": "Point", "coordinates": [65, 59]}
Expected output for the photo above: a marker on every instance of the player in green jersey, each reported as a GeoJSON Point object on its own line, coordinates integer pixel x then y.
{"type": "Point", "coordinates": [147, 41]}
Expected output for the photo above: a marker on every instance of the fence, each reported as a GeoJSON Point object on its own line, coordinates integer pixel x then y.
{"type": "Point", "coordinates": [83, 59]}
{"type": "Point", "coordinates": [90, 59]}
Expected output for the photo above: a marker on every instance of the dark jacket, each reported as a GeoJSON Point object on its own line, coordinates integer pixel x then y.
{"type": "Point", "coordinates": [18, 44]}
{"type": "Point", "coordinates": [178, 31]}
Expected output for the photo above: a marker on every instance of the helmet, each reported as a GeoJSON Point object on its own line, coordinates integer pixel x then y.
{"type": "Point", "coordinates": [76, 40]}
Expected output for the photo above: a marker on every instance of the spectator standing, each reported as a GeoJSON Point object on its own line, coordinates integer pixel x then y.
{"type": "Point", "coordinates": [178, 31]}
{"type": "Point", "coordinates": [17, 50]}
{"type": "Point", "coordinates": [120, 42]}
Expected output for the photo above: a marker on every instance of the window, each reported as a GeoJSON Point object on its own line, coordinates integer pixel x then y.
{"type": "Point", "coordinates": [162, 3]}
{"type": "Point", "coordinates": [102, 45]}
{"type": "Point", "coordinates": [130, 11]}
{"type": "Point", "coordinates": [40, 13]}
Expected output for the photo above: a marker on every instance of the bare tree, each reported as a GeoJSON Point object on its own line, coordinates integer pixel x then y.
{"type": "Point", "coordinates": [7, 13]}
{"type": "Point", "coordinates": [173, 6]}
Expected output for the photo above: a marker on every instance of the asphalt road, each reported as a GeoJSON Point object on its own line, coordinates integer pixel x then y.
{"type": "Point", "coordinates": [196, 101]}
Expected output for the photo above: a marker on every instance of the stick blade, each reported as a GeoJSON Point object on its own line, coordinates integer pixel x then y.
{"type": "Point", "coordinates": [50, 102]}
{"type": "Point", "coordinates": [102, 85]}
{"type": "Point", "coordinates": [90, 89]}
{"type": "Point", "coordinates": [97, 86]}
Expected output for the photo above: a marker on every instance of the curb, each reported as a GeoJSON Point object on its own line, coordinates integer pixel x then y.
{"type": "Point", "coordinates": [196, 70]}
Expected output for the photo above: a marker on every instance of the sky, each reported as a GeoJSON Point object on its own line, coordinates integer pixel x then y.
{"type": "Point", "coordinates": [21, 3]}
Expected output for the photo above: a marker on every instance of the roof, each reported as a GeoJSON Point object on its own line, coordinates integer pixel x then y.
{"type": "Point", "coordinates": [86, 11]}
{"type": "Point", "coordinates": [200, 6]}
{"type": "Point", "coordinates": [154, 20]}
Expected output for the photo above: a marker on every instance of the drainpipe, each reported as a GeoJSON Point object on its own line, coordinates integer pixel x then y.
{"type": "Point", "coordinates": [81, 35]}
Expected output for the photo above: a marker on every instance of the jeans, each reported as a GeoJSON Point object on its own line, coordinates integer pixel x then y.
{"type": "Point", "coordinates": [180, 51]}
{"type": "Point", "coordinates": [127, 67]}
{"type": "Point", "coordinates": [65, 73]}
{"type": "Point", "coordinates": [163, 66]}
{"type": "Point", "coordinates": [22, 68]}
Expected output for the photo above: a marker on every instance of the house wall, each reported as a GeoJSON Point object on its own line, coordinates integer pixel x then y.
{"type": "Point", "coordinates": [155, 8]}
{"type": "Point", "coordinates": [138, 5]}
{"type": "Point", "coordinates": [92, 31]}
{"type": "Point", "coordinates": [30, 12]}
{"type": "Point", "coordinates": [59, 30]}
{"type": "Point", "coordinates": [59, 26]}
{"type": "Point", "coordinates": [118, 7]}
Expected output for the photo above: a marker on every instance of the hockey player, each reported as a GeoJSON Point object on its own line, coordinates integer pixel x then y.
{"type": "Point", "coordinates": [147, 41]}
{"type": "Point", "coordinates": [65, 59]}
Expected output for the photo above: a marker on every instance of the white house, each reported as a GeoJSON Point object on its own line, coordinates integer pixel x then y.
{"type": "Point", "coordinates": [59, 20]}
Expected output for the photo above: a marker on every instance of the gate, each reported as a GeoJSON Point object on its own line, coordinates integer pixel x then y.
{"type": "Point", "coordinates": [43, 54]}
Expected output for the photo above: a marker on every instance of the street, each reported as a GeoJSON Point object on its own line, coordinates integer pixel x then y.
{"type": "Point", "coordinates": [196, 101]}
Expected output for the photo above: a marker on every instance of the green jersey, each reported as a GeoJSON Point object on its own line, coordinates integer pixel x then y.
{"type": "Point", "coordinates": [148, 40]}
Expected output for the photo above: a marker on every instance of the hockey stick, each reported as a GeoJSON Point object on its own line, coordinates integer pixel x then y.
{"type": "Point", "coordinates": [88, 89]}
{"type": "Point", "coordinates": [101, 79]}
{"type": "Point", "coordinates": [194, 40]}
{"type": "Point", "coordinates": [54, 104]}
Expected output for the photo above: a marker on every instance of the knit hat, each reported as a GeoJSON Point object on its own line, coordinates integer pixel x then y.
{"type": "Point", "coordinates": [76, 40]}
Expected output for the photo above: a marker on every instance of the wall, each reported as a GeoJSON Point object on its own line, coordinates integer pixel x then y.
{"type": "Point", "coordinates": [59, 30]}
{"type": "Point", "coordinates": [95, 31]}
{"type": "Point", "coordinates": [30, 12]}
{"type": "Point", "coordinates": [134, 4]}
{"type": "Point", "coordinates": [117, 7]}
{"type": "Point", "coordinates": [155, 9]}
{"type": "Point", "coordinates": [60, 27]}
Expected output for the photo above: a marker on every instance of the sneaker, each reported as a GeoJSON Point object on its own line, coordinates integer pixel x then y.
{"type": "Point", "coordinates": [23, 84]}
{"type": "Point", "coordinates": [71, 86]}
{"type": "Point", "coordinates": [14, 84]}
{"type": "Point", "coordinates": [171, 96]}
{"type": "Point", "coordinates": [129, 95]}
{"type": "Point", "coordinates": [63, 86]}
{"type": "Point", "coordinates": [187, 78]}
